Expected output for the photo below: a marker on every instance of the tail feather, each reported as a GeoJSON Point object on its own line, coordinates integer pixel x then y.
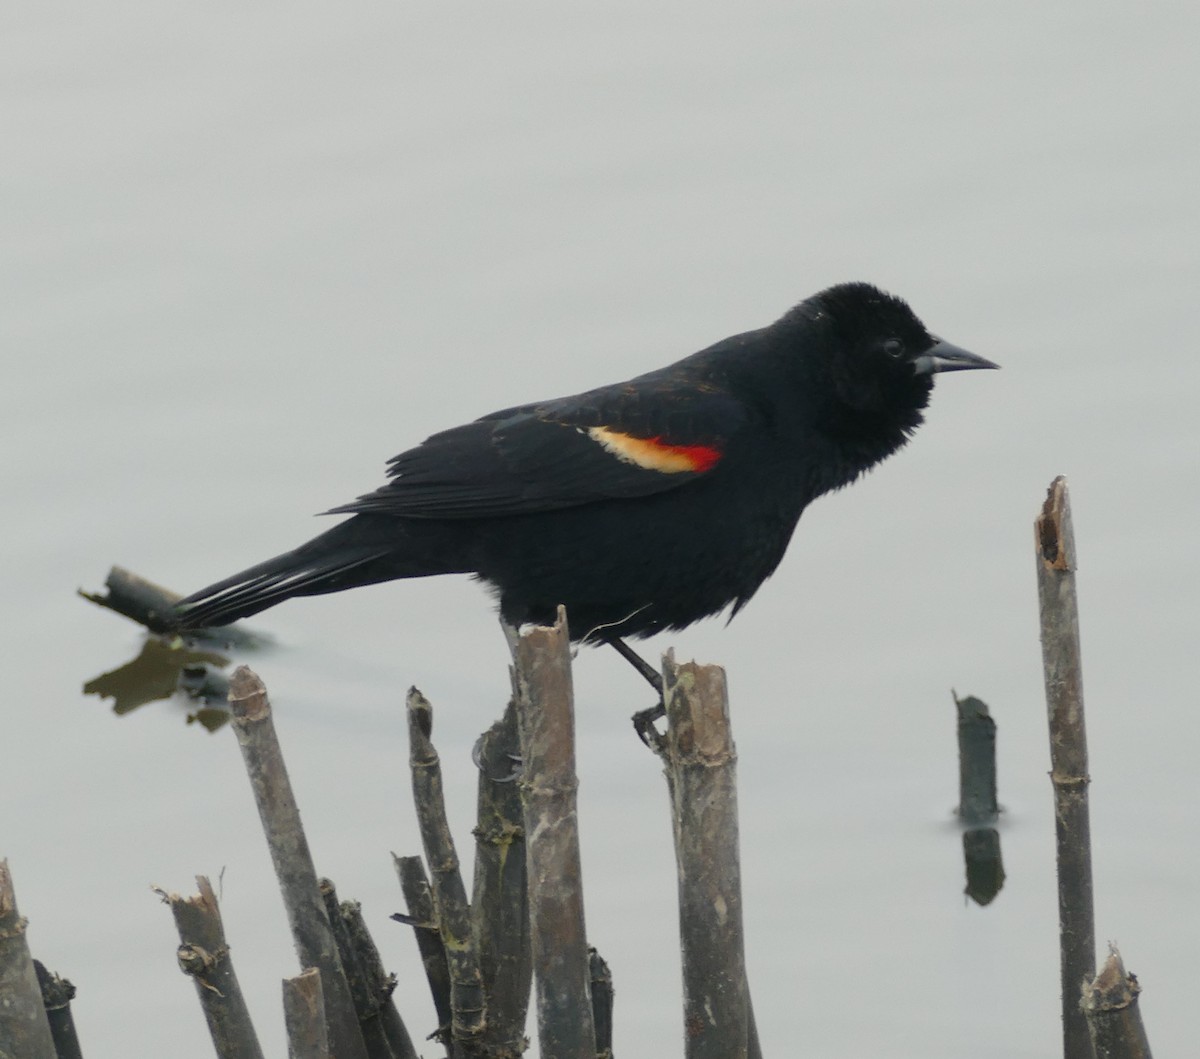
{"type": "Point", "coordinates": [266, 584]}
{"type": "Point", "coordinates": [359, 551]}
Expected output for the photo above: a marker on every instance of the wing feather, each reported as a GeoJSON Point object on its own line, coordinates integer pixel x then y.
{"type": "Point", "coordinates": [621, 441]}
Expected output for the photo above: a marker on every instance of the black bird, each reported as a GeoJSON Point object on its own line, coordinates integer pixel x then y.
{"type": "Point", "coordinates": [642, 506]}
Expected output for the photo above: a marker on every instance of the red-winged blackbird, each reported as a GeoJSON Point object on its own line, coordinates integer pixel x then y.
{"type": "Point", "coordinates": [642, 506]}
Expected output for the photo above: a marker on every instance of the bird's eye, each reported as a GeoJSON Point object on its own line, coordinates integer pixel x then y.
{"type": "Point", "coordinates": [894, 348]}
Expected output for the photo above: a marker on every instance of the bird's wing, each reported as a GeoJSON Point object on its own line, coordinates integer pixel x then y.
{"type": "Point", "coordinates": [623, 441]}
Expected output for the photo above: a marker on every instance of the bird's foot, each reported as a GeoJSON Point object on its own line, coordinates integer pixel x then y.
{"type": "Point", "coordinates": [514, 761]}
{"type": "Point", "coordinates": [647, 730]}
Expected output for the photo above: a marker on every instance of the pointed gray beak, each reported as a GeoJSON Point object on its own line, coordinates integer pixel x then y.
{"type": "Point", "coordinates": [945, 356]}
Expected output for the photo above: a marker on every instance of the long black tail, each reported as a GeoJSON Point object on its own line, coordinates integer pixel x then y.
{"type": "Point", "coordinates": [360, 551]}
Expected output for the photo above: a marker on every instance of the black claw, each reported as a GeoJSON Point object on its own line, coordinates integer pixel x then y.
{"type": "Point", "coordinates": [477, 752]}
{"type": "Point", "coordinates": [644, 723]}
{"type": "Point", "coordinates": [518, 767]}
{"type": "Point", "coordinates": [481, 765]}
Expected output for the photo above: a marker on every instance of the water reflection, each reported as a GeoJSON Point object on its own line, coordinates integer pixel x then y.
{"type": "Point", "coordinates": [168, 665]}
{"type": "Point", "coordinates": [985, 867]}
{"type": "Point", "coordinates": [160, 670]}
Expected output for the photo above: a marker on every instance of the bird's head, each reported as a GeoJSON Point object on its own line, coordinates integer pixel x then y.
{"type": "Point", "coordinates": [883, 359]}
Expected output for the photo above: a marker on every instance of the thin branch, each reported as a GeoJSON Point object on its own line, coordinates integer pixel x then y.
{"type": "Point", "coordinates": [1054, 539]}
{"type": "Point", "coordinates": [418, 898]}
{"type": "Point", "coordinates": [449, 894]}
{"type": "Point", "coordinates": [311, 932]}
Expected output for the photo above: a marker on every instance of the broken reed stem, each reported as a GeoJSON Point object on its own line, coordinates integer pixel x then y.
{"type": "Point", "coordinates": [1110, 1005]}
{"type": "Point", "coordinates": [311, 932]}
{"type": "Point", "coordinates": [977, 803]}
{"type": "Point", "coordinates": [203, 955]}
{"type": "Point", "coordinates": [382, 984]}
{"type": "Point", "coordinates": [384, 1033]}
{"type": "Point", "coordinates": [418, 899]}
{"type": "Point", "coordinates": [545, 716]}
{"type": "Point", "coordinates": [24, 1028]}
{"type": "Point", "coordinates": [1054, 539]}
{"type": "Point", "coordinates": [453, 914]}
{"type": "Point", "coordinates": [602, 1003]}
{"type": "Point", "coordinates": [976, 762]}
{"type": "Point", "coordinates": [304, 1016]}
{"type": "Point", "coordinates": [500, 896]}
{"type": "Point", "coordinates": [701, 771]}
{"type": "Point", "coordinates": [136, 598]}
{"type": "Point", "coordinates": [153, 606]}
{"type": "Point", "coordinates": [57, 994]}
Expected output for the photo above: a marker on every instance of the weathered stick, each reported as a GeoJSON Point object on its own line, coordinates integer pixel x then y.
{"type": "Point", "coordinates": [500, 896]}
{"type": "Point", "coordinates": [152, 606]}
{"type": "Point", "coordinates": [24, 1029]}
{"type": "Point", "coordinates": [382, 984]}
{"type": "Point", "coordinates": [304, 1016]}
{"type": "Point", "coordinates": [976, 761]}
{"type": "Point", "coordinates": [545, 716]}
{"type": "Point", "coordinates": [136, 598]}
{"type": "Point", "coordinates": [449, 894]}
{"type": "Point", "coordinates": [701, 770]}
{"type": "Point", "coordinates": [1055, 542]}
{"type": "Point", "coordinates": [602, 1003]}
{"type": "Point", "coordinates": [311, 932]}
{"type": "Point", "coordinates": [204, 955]}
{"type": "Point", "coordinates": [418, 898]}
{"type": "Point", "coordinates": [370, 986]}
{"type": "Point", "coordinates": [57, 994]}
{"type": "Point", "coordinates": [977, 804]}
{"type": "Point", "coordinates": [1110, 1005]}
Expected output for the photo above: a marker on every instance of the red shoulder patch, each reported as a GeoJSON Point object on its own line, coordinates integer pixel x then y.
{"type": "Point", "coordinates": [655, 454]}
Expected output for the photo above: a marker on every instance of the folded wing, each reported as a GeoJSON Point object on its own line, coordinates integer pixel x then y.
{"type": "Point", "coordinates": [622, 441]}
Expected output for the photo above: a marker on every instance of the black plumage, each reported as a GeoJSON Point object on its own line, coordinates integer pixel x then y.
{"type": "Point", "coordinates": [644, 505]}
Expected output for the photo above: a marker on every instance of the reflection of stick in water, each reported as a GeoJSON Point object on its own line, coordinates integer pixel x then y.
{"type": "Point", "coordinates": [167, 663]}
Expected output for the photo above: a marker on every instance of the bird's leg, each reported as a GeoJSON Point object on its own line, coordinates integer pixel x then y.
{"type": "Point", "coordinates": [643, 720]}
{"type": "Point", "coordinates": [651, 675]}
